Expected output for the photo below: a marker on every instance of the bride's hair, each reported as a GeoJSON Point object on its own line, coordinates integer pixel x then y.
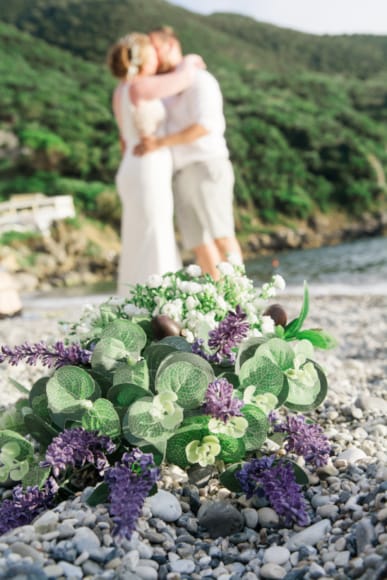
{"type": "Point", "coordinates": [128, 55]}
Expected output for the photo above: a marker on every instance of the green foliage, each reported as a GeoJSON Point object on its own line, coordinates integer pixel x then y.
{"type": "Point", "coordinates": [306, 115]}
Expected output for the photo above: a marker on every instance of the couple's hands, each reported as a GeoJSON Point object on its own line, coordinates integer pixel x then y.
{"type": "Point", "coordinates": [147, 145]}
{"type": "Point", "coordinates": [192, 61]}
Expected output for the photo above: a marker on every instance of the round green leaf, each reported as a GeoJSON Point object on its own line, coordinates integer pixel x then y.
{"type": "Point", "coordinates": [69, 386]}
{"type": "Point", "coordinates": [102, 417]}
{"type": "Point", "coordinates": [258, 427]}
{"type": "Point", "coordinates": [189, 382]}
{"type": "Point", "coordinates": [305, 399]}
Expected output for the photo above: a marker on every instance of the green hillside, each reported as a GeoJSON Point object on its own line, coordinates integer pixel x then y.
{"type": "Point", "coordinates": [306, 115]}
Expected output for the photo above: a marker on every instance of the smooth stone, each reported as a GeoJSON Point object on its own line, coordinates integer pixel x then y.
{"type": "Point", "coordinates": [146, 573]}
{"type": "Point", "coordinates": [26, 551]}
{"type": "Point", "coordinates": [267, 517]}
{"type": "Point", "coordinates": [85, 540]}
{"type": "Point", "coordinates": [316, 571]}
{"type": "Point", "coordinates": [272, 572]}
{"type": "Point", "coordinates": [365, 534]}
{"type": "Point", "coordinates": [342, 559]}
{"type": "Point", "coordinates": [371, 403]}
{"type": "Point", "coordinates": [71, 571]}
{"type": "Point", "coordinates": [220, 519]}
{"type": "Point", "coordinates": [165, 505]}
{"type": "Point", "coordinates": [276, 555]}
{"type": "Point", "coordinates": [309, 536]}
{"type": "Point", "coordinates": [46, 523]}
{"type": "Point", "coordinates": [352, 455]}
{"type": "Point", "coordinates": [24, 571]}
{"type": "Point", "coordinates": [251, 517]}
{"type": "Point", "coordinates": [183, 566]}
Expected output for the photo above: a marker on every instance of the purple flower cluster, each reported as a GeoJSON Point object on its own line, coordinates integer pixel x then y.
{"type": "Point", "coordinates": [229, 333]}
{"type": "Point", "coordinates": [276, 481]}
{"type": "Point", "coordinates": [26, 504]}
{"type": "Point", "coordinates": [306, 439]}
{"type": "Point", "coordinates": [75, 448]}
{"type": "Point", "coordinates": [130, 482]}
{"type": "Point", "coordinates": [219, 401]}
{"type": "Point", "coordinates": [55, 356]}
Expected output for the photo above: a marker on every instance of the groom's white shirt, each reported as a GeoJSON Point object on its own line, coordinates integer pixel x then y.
{"type": "Point", "coordinates": [201, 103]}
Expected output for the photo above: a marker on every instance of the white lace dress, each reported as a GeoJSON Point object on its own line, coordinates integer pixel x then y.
{"type": "Point", "coordinates": [145, 188]}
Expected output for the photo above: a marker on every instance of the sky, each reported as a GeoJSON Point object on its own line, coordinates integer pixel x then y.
{"type": "Point", "coordinates": [315, 16]}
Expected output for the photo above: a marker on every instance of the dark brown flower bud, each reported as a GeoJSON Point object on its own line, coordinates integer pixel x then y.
{"type": "Point", "coordinates": [277, 313]}
{"type": "Point", "coordinates": [163, 326]}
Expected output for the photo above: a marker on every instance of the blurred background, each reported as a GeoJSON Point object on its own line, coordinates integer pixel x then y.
{"type": "Point", "coordinates": [305, 90]}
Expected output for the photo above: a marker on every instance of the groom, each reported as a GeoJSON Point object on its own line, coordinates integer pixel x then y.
{"type": "Point", "coordinates": [203, 178]}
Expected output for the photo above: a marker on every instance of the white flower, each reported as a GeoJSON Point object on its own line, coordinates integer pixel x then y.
{"type": "Point", "coordinates": [132, 310]}
{"type": "Point", "coordinates": [173, 309]}
{"type": "Point", "coordinates": [194, 271]}
{"type": "Point", "coordinates": [189, 287]}
{"type": "Point", "coordinates": [154, 281]}
{"type": "Point", "coordinates": [234, 259]}
{"type": "Point", "coordinates": [225, 268]}
{"type": "Point", "coordinates": [267, 325]}
{"type": "Point", "coordinates": [268, 290]}
{"type": "Point", "coordinates": [279, 282]}
{"type": "Point", "coordinates": [191, 302]}
{"type": "Point", "coordinates": [188, 335]}
{"type": "Point", "coordinates": [234, 427]}
{"type": "Point", "coordinates": [166, 411]}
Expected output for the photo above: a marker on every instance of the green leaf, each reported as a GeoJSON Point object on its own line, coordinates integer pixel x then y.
{"type": "Point", "coordinates": [295, 325]}
{"type": "Point", "coordinates": [136, 374]}
{"type": "Point", "coordinates": [278, 351]}
{"type": "Point", "coordinates": [187, 380]}
{"type": "Point", "coordinates": [232, 449]}
{"type": "Point", "coordinates": [124, 395]}
{"type": "Point", "coordinates": [100, 495]}
{"type": "Point", "coordinates": [36, 476]}
{"type": "Point", "coordinates": [25, 448]}
{"type": "Point", "coordinates": [68, 388]}
{"type": "Point", "coordinates": [108, 352]}
{"type": "Point", "coordinates": [305, 399]}
{"type": "Point", "coordinates": [40, 430]}
{"type": "Point", "coordinates": [247, 350]}
{"type": "Point", "coordinates": [154, 355]}
{"type": "Point", "coordinates": [178, 442]}
{"type": "Point", "coordinates": [140, 423]}
{"type": "Point", "coordinates": [299, 473]}
{"type": "Point", "coordinates": [319, 338]}
{"type": "Point", "coordinates": [102, 417]}
{"type": "Point", "coordinates": [177, 342]}
{"type": "Point", "coordinates": [258, 427]}
{"type": "Point", "coordinates": [21, 388]}
{"type": "Point", "coordinates": [129, 333]}
{"type": "Point", "coordinates": [262, 373]}
{"type": "Point", "coordinates": [227, 478]}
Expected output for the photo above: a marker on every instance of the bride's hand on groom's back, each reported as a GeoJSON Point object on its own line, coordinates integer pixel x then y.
{"type": "Point", "coordinates": [193, 60]}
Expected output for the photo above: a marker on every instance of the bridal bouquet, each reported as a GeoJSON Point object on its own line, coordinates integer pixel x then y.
{"type": "Point", "coordinates": [184, 371]}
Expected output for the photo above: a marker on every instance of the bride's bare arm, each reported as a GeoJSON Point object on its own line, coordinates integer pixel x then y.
{"type": "Point", "coordinates": [165, 85]}
{"type": "Point", "coordinates": [187, 135]}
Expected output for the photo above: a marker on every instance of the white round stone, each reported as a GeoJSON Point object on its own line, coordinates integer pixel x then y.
{"type": "Point", "coordinates": [276, 555]}
{"type": "Point", "coordinates": [165, 506]}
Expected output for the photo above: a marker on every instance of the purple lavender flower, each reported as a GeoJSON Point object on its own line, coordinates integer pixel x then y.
{"type": "Point", "coordinates": [130, 483]}
{"type": "Point", "coordinates": [306, 439]}
{"type": "Point", "coordinates": [75, 448]}
{"type": "Point", "coordinates": [276, 481]}
{"type": "Point", "coordinates": [53, 357]}
{"type": "Point", "coordinates": [229, 333]}
{"type": "Point", "coordinates": [219, 401]}
{"type": "Point", "coordinates": [26, 504]}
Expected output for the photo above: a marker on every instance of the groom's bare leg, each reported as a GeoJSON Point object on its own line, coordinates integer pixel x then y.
{"type": "Point", "coordinates": [228, 247]}
{"type": "Point", "coordinates": [207, 256]}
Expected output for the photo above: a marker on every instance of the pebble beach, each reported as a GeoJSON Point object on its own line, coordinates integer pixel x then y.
{"type": "Point", "coordinates": [193, 528]}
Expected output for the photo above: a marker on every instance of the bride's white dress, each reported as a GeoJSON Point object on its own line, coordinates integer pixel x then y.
{"type": "Point", "coordinates": [145, 187]}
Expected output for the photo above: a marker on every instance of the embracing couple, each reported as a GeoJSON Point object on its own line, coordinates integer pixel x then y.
{"type": "Point", "coordinates": [169, 112]}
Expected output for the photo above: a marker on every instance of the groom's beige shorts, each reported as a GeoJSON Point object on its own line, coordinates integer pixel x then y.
{"type": "Point", "coordinates": [203, 197]}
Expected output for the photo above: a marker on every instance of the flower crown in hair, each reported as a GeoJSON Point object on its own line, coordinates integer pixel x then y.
{"type": "Point", "coordinates": [135, 60]}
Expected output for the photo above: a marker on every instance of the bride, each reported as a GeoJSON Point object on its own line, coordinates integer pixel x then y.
{"type": "Point", "coordinates": [145, 183]}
